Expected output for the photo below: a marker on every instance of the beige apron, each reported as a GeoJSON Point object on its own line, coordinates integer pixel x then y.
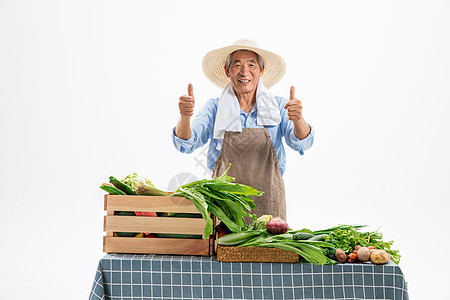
{"type": "Point", "coordinates": [254, 163]}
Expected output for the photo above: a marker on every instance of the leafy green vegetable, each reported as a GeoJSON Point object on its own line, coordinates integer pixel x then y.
{"type": "Point", "coordinates": [240, 238]}
{"type": "Point", "coordinates": [200, 203]}
{"type": "Point", "coordinates": [314, 252]}
{"type": "Point", "coordinates": [235, 188]}
{"type": "Point", "coordinates": [229, 202]}
{"type": "Point", "coordinates": [215, 210]}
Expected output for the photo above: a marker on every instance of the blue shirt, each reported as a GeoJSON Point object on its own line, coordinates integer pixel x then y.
{"type": "Point", "coordinates": [202, 129]}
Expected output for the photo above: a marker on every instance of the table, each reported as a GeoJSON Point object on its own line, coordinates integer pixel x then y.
{"type": "Point", "coordinates": [138, 276]}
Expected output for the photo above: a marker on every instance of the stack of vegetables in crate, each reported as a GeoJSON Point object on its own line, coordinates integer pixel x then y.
{"type": "Point", "coordinates": [143, 219]}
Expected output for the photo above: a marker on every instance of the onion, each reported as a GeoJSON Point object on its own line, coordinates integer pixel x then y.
{"type": "Point", "coordinates": [277, 226]}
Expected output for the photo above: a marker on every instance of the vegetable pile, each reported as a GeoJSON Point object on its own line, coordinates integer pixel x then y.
{"type": "Point", "coordinates": [231, 203]}
{"type": "Point", "coordinates": [351, 239]}
{"type": "Point", "coordinates": [340, 244]}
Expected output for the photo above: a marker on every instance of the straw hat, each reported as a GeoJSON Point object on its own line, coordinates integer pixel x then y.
{"type": "Point", "coordinates": [214, 61]}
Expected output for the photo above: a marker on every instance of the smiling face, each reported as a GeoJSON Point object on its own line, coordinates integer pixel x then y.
{"type": "Point", "coordinates": [244, 72]}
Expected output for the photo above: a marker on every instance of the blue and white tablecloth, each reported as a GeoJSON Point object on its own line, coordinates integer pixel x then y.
{"type": "Point", "coordinates": [137, 276]}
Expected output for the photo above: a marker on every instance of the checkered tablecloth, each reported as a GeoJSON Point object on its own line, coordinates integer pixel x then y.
{"type": "Point", "coordinates": [127, 276]}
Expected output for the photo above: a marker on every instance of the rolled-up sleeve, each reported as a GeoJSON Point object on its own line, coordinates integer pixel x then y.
{"type": "Point", "coordinates": [184, 146]}
{"type": "Point", "coordinates": [300, 145]}
{"type": "Point", "coordinates": [201, 129]}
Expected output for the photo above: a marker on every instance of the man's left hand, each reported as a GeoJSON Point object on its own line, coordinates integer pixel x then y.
{"type": "Point", "coordinates": [295, 113]}
{"type": "Point", "coordinates": [294, 107]}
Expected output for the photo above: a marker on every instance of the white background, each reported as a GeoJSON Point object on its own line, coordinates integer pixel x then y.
{"type": "Point", "coordinates": [89, 89]}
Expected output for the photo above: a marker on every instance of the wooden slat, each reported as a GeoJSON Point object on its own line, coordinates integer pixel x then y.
{"type": "Point", "coordinates": [108, 213]}
{"type": "Point", "coordinates": [149, 203]}
{"type": "Point", "coordinates": [156, 246]}
{"type": "Point", "coordinates": [154, 224]}
{"type": "Point", "coordinates": [211, 246]}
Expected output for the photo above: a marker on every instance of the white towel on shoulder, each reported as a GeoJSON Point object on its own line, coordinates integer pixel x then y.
{"type": "Point", "coordinates": [228, 110]}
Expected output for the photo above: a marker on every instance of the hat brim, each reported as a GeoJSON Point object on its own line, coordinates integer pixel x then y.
{"type": "Point", "coordinates": [214, 61]}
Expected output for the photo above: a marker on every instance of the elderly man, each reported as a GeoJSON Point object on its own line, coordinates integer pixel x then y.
{"type": "Point", "coordinates": [245, 126]}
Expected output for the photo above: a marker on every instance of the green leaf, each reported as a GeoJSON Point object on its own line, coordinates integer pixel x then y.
{"type": "Point", "coordinates": [225, 197]}
{"type": "Point", "coordinates": [261, 239]}
{"type": "Point", "coordinates": [235, 188]}
{"type": "Point", "coordinates": [248, 200]}
{"type": "Point", "coordinates": [245, 201]}
{"type": "Point", "coordinates": [201, 205]}
{"type": "Point", "coordinates": [234, 207]}
{"type": "Point", "coordinates": [223, 217]}
{"type": "Point", "coordinates": [291, 248]}
{"type": "Point", "coordinates": [314, 252]}
{"type": "Point", "coordinates": [236, 217]}
{"type": "Point", "coordinates": [225, 177]}
{"type": "Point", "coordinates": [229, 202]}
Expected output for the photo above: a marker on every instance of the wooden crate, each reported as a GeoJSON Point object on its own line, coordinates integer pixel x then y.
{"type": "Point", "coordinates": [256, 254]}
{"type": "Point", "coordinates": [172, 225]}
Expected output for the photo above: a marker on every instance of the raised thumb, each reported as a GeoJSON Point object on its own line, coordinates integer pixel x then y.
{"type": "Point", "coordinates": [292, 93]}
{"type": "Point", "coordinates": [191, 90]}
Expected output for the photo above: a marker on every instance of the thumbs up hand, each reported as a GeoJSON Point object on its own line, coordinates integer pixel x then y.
{"type": "Point", "coordinates": [294, 107]}
{"type": "Point", "coordinates": [186, 103]}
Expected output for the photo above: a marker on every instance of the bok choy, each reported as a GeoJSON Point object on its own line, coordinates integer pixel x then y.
{"type": "Point", "coordinates": [229, 202]}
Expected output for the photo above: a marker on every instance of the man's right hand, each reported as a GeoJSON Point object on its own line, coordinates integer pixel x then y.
{"type": "Point", "coordinates": [186, 105]}
{"type": "Point", "coordinates": [187, 102]}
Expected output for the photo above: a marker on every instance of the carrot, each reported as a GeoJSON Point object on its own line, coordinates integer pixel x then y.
{"type": "Point", "coordinates": [371, 247]}
{"type": "Point", "coordinates": [352, 256]}
{"type": "Point", "coordinates": [352, 260]}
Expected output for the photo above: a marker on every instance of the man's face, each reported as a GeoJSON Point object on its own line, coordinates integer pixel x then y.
{"type": "Point", "coordinates": [244, 72]}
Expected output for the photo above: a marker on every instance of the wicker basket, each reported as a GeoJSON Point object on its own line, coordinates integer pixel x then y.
{"type": "Point", "coordinates": [256, 254]}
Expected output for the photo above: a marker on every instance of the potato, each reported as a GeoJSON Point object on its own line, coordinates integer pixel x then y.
{"type": "Point", "coordinates": [380, 257]}
{"type": "Point", "coordinates": [363, 254]}
{"type": "Point", "coordinates": [340, 256]}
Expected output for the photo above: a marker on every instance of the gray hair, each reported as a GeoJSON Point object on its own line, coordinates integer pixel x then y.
{"type": "Point", "coordinates": [258, 57]}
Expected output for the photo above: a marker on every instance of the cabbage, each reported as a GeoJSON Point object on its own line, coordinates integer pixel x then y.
{"type": "Point", "coordinates": [134, 180]}
{"type": "Point", "coordinates": [262, 221]}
